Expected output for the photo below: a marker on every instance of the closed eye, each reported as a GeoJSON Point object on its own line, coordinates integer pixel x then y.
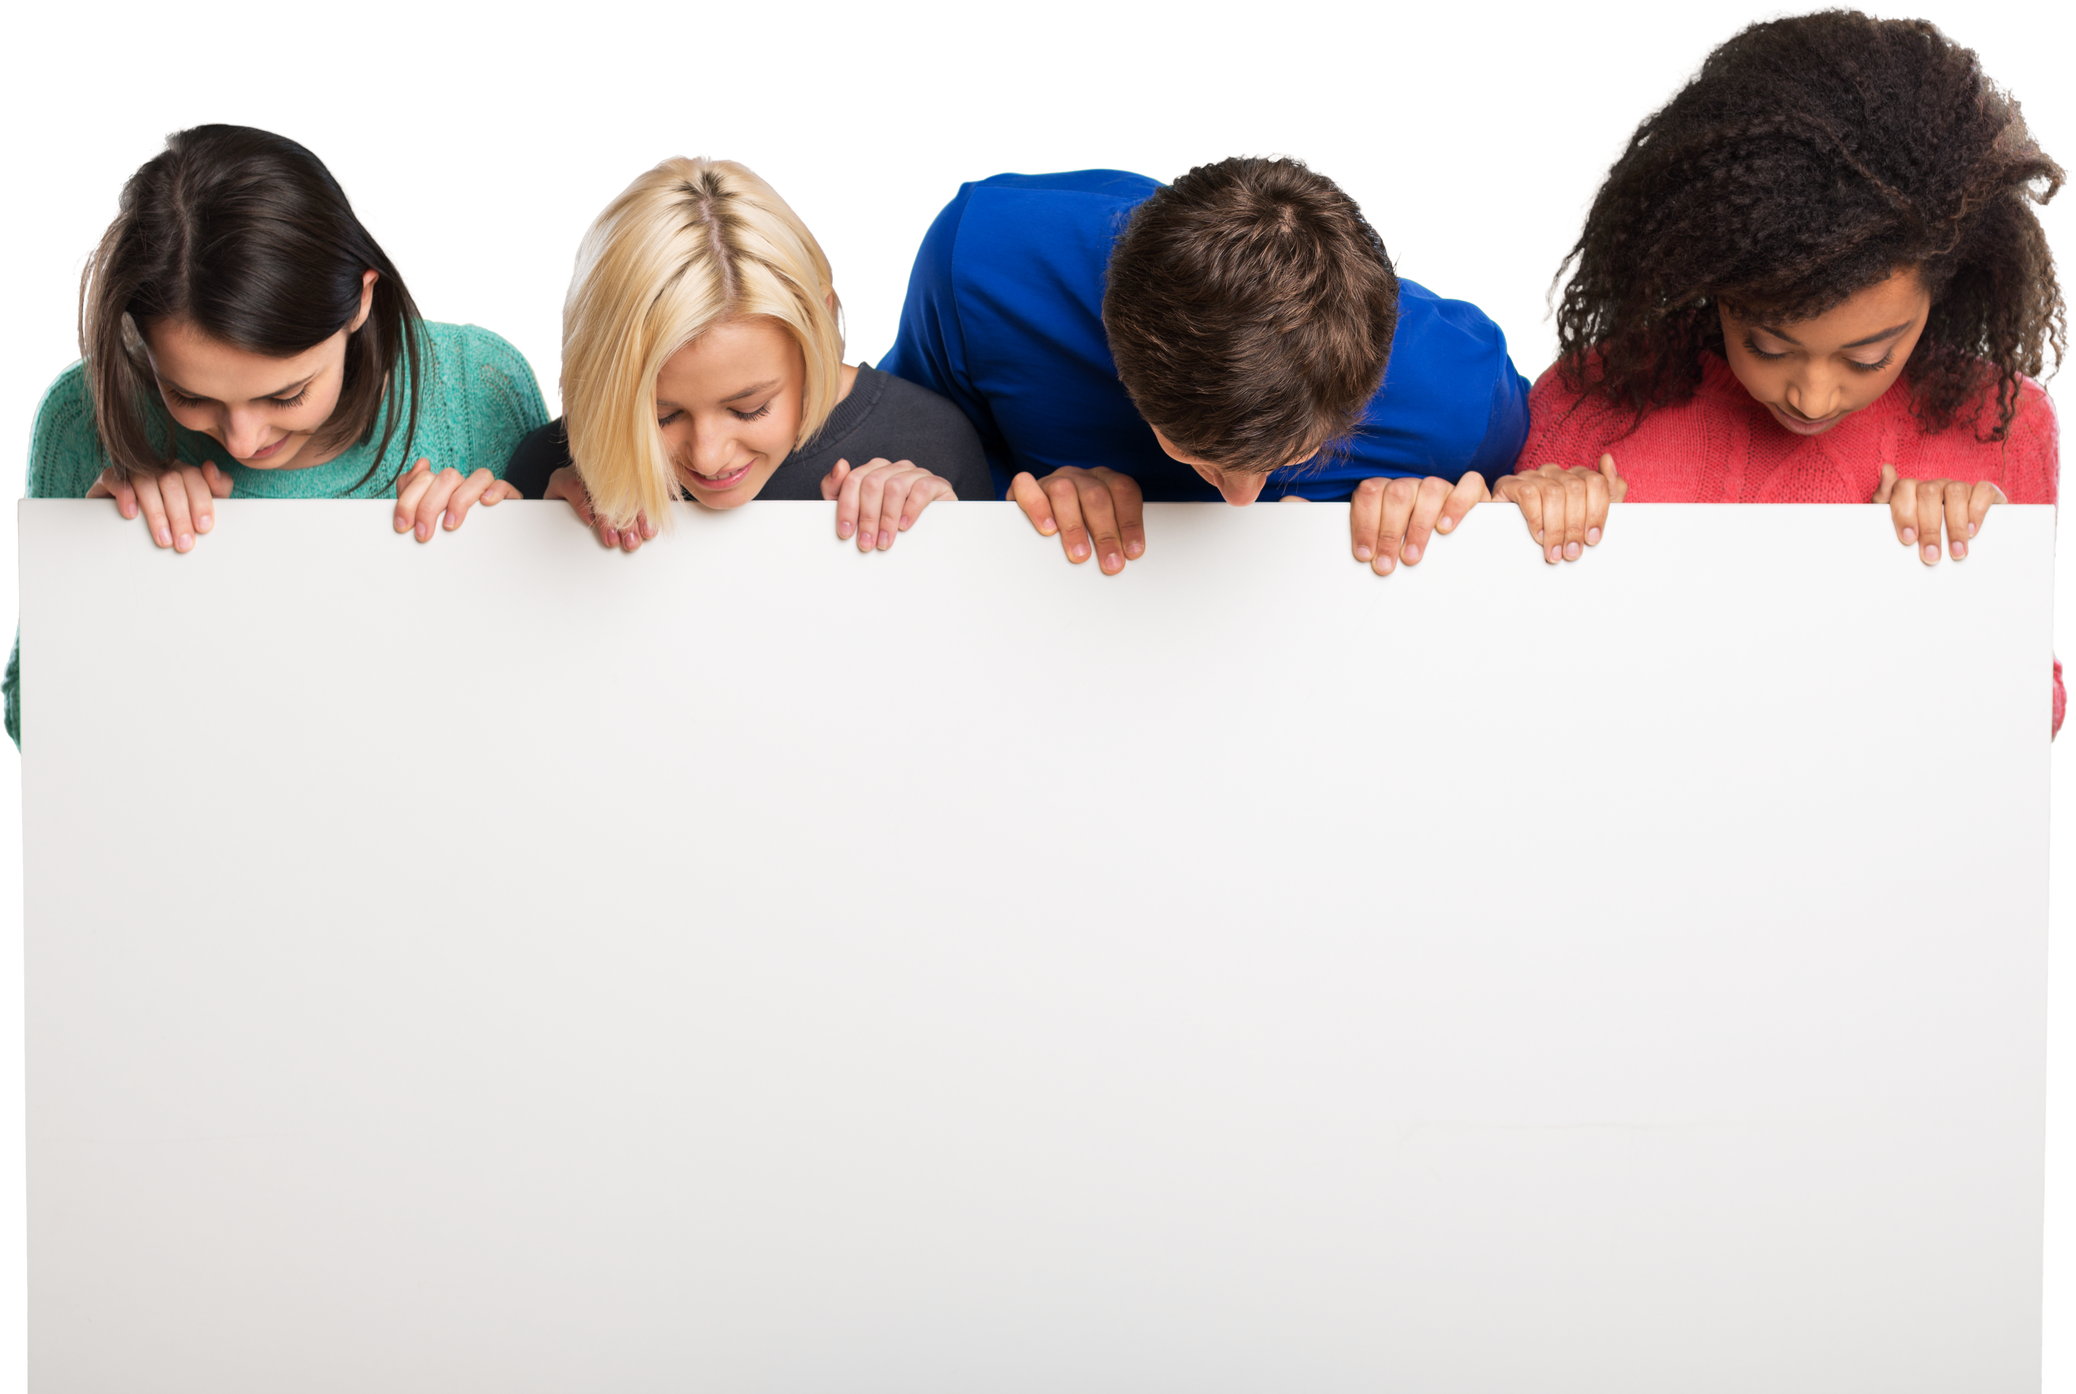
{"type": "Point", "coordinates": [764, 410]}
{"type": "Point", "coordinates": [1751, 347]}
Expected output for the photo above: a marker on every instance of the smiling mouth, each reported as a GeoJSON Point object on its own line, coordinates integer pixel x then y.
{"type": "Point", "coordinates": [269, 452]}
{"type": "Point", "coordinates": [724, 481]}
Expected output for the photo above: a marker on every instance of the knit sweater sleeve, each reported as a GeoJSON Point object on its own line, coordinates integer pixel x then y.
{"type": "Point", "coordinates": [500, 398]}
{"type": "Point", "coordinates": [2032, 448]}
{"type": "Point", "coordinates": [65, 456]}
{"type": "Point", "coordinates": [65, 459]}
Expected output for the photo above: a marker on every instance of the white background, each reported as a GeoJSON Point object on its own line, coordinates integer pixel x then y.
{"type": "Point", "coordinates": [1368, 1056]}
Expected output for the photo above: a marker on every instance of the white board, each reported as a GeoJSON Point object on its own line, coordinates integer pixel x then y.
{"type": "Point", "coordinates": [747, 965]}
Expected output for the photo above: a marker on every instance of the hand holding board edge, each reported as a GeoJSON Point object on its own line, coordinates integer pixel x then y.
{"type": "Point", "coordinates": [1274, 1042]}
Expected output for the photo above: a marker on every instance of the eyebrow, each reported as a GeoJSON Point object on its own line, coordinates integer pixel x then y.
{"type": "Point", "coordinates": [288, 391]}
{"type": "Point", "coordinates": [1857, 343]}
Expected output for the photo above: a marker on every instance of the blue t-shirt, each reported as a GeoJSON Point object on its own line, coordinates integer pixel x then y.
{"type": "Point", "coordinates": [1005, 317]}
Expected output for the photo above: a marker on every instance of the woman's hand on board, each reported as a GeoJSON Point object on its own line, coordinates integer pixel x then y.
{"type": "Point", "coordinates": [566, 484]}
{"type": "Point", "coordinates": [881, 499]}
{"type": "Point", "coordinates": [1565, 509]}
{"type": "Point", "coordinates": [1097, 512]}
{"type": "Point", "coordinates": [178, 505]}
{"type": "Point", "coordinates": [1917, 506]}
{"type": "Point", "coordinates": [426, 499]}
{"type": "Point", "coordinates": [1390, 520]}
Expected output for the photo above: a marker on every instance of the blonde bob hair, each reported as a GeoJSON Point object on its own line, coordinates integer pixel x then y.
{"type": "Point", "coordinates": [686, 246]}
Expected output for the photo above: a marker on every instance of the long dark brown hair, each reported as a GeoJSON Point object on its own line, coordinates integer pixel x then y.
{"type": "Point", "coordinates": [245, 235]}
{"type": "Point", "coordinates": [1809, 159]}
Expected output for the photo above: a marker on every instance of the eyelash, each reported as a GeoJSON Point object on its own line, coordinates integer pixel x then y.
{"type": "Point", "coordinates": [181, 399]}
{"type": "Point", "coordinates": [764, 410]}
{"type": "Point", "coordinates": [1755, 351]}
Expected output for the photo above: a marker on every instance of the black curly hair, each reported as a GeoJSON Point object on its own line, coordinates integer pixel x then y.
{"type": "Point", "coordinates": [1811, 158]}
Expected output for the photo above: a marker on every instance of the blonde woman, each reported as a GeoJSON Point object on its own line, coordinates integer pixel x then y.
{"type": "Point", "coordinates": [702, 358]}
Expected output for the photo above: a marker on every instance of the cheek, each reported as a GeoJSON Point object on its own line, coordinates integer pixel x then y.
{"type": "Point", "coordinates": [1760, 378]}
{"type": "Point", "coordinates": [316, 409]}
{"type": "Point", "coordinates": [775, 434]}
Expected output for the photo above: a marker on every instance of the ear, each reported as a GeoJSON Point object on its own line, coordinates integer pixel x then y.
{"type": "Point", "coordinates": [830, 300]}
{"type": "Point", "coordinates": [367, 300]}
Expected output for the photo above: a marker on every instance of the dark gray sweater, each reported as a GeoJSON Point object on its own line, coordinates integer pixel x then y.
{"type": "Point", "coordinates": [884, 417]}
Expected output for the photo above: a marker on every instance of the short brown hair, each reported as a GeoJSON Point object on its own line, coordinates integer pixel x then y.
{"type": "Point", "coordinates": [245, 235]}
{"type": "Point", "coordinates": [1250, 310]}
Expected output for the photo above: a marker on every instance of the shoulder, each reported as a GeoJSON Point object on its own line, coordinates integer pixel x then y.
{"type": "Point", "coordinates": [910, 403]}
{"type": "Point", "coordinates": [912, 422]}
{"type": "Point", "coordinates": [65, 456]}
{"type": "Point", "coordinates": [2032, 447]}
{"type": "Point", "coordinates": [1080, 185]}
{"type": "Point", "coordinates": [540, 453]}
{"type": "Point", "coordinates": [1427, 312]}
{"type": "Point", "coordinates": [474, 351]}
{"type": "Point", "coordinates": [1032, 212]}
{"type": "Point", "coordinates": [474, 365]}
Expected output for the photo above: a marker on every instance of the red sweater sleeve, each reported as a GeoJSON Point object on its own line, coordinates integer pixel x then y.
{"type": "Point", "coordinates": [2032, 449]}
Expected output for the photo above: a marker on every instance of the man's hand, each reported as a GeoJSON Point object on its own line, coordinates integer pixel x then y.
{"type": "Point", "coordinates": [1077, 503]}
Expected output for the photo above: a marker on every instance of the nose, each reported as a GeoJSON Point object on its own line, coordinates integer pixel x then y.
{"type": "Point", "coordinates": [1814, 393]}
{"type": "Point", "coordinates": [711, 451]}
{"type": "Point", "coordinates": [245, 433]}
{"type": "Point", "coordinates": [1241, 489]}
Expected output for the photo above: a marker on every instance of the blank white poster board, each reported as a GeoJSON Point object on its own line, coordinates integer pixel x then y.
{"type": "Point", "coordinates": [752, 966]}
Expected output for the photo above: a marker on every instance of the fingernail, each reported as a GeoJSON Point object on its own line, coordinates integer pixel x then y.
{"type": "Point", "coordinates": [423, 530]}
{"type": "Point", "coordinates": [1931, 551]}
{"type": "Point", "coordinates": [1960, 549]}
{"type": "Point", "coordinates": [1133, 549]}
{"type": "Point", "coordinates": [1048, 527]}
{"type": "Point", "coordinates": [447, 518]}
{"type": "Point", "coordinates": [1909, 536]}
{"type": "Point", "coordinates": [186, 541]}
{"type": "Point", "coordinates": [165, 538]}
{"type": "Point", "coordinates": [1571, 551]}
{"type": "Point", "coordinates": [1592, 537]}
{"type": "Point", "coordinates": [1362, 554]}
{"type": "Point", "coordinates": [906, 522]}
{"type": "Point", "coordinates": [1079, 551]}
{"type": "Point", "coordinates": [886, 539]}
{"type": "Point", "coordinates": [1384, 565]}
{"type": "Point", "coordinates": [203, 523]}
{"type": "Point", "coordinates": [1112, 561]}
{"type": "Point", "coordinates": [402, 522]}
{"type": "Point", "coordinates": [1538, 534]}
{"type": "Point", "coordinates": [1555, 554]}
{"type": "Point", "coordinates": [1412, 552]}
{"type": "Point", "coordinates": [612, 537]}
{"type": "Point", "coordinates": [1444, 524]}
{"type": "Point", "coordinates": [1971, 529]}
{"type": "Point", "coordinates": [845, 529]}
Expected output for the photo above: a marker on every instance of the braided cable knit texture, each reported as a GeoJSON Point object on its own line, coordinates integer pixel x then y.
{"type": "Point", "coordinates": [1722, 446]}
{"type": "Point", "coordinates": [479, 401]}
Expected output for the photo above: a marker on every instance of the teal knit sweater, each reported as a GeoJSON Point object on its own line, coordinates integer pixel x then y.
{"type": "Point", "coordinates": [479, 400]}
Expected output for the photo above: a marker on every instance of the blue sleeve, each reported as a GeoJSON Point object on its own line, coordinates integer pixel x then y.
{"type": "Point", "coordinates": [1506, 429]}
{"type": "Point", "coordinates": [930, 345]}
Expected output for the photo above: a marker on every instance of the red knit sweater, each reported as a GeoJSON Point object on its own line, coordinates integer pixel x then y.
{"type": "Point", "coordinates": [1721, 446]}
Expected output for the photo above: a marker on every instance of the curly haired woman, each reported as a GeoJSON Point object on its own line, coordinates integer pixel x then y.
{"type": "Point", "coordinates": [1815, 276]}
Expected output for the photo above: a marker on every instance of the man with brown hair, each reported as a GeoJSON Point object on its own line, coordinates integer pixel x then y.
{"type": "Point", "coordinates": [1115, 340]}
